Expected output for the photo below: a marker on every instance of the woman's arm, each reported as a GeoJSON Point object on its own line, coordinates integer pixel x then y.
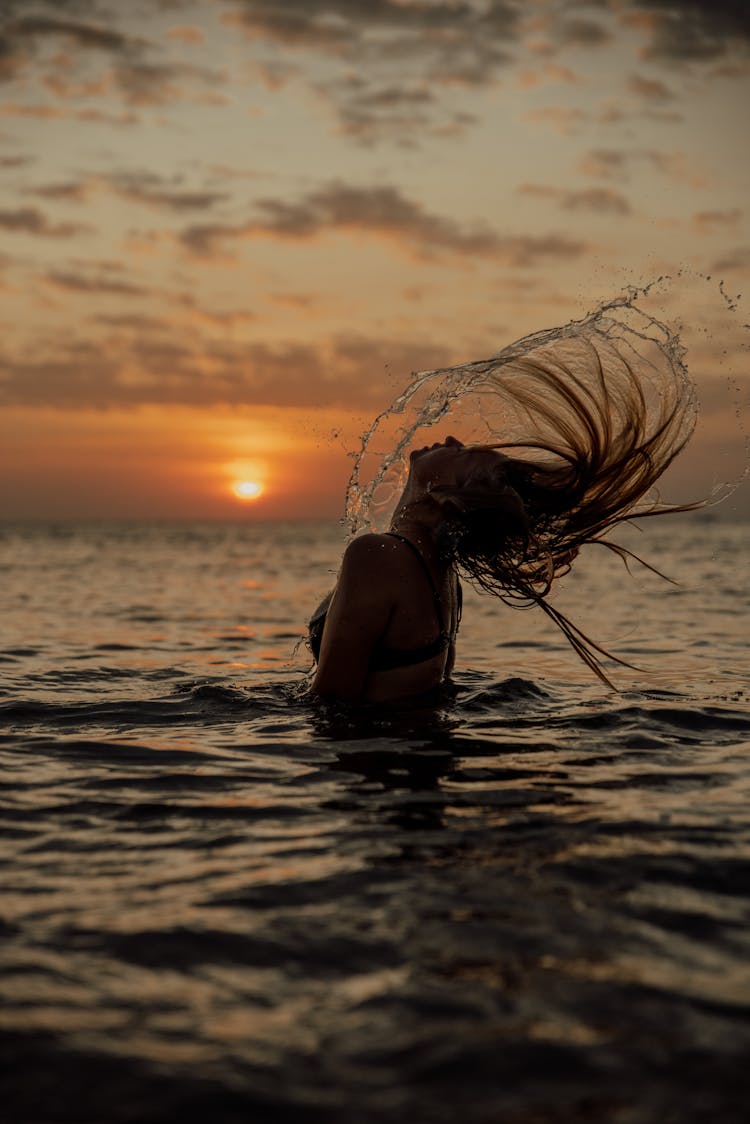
{"type": "Point", "coordinates": [357, 617]}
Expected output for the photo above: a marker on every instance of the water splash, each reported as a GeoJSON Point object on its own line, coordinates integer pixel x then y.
{"type": "Point", "coordinates": [481, 403]}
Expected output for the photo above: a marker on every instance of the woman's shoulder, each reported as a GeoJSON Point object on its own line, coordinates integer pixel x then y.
{"type": "Point", "coordinates": [372, 550]}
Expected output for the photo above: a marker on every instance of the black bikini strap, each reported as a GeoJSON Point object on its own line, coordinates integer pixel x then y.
{"type": "Point", "coordinates": [435, 595]}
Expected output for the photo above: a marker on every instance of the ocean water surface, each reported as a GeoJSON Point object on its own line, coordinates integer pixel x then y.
{"type": "Point", "coordinates": [526, 903]}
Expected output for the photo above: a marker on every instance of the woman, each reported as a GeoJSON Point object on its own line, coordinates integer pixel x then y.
{"type": "Point", "coordinates": [509, 524]}
{"type": "Point", "coordinates": [390, 625]}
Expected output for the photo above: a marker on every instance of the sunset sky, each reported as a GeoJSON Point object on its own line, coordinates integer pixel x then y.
{"type": "Point", "coordinates": [232, 228]}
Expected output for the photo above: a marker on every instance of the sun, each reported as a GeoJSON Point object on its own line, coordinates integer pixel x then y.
{"type": "Point", "coordinates": [247, 489]}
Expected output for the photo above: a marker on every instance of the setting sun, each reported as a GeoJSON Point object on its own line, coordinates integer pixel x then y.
{"type": "Point", "coordinates": [247, 489]}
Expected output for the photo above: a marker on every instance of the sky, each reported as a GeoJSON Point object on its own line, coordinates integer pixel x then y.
{"type": "Point", "coordinates": [231, 229]}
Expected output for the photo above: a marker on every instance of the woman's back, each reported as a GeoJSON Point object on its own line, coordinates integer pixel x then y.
{"type": "Point", "coordinates": [391, 623]}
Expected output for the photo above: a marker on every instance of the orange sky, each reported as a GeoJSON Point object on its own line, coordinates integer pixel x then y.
{"type": "Point", "coordinates": [230, 230]}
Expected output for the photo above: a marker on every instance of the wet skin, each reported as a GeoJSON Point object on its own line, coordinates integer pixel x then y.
{"type": "Point", "coordinates": [382, 597]}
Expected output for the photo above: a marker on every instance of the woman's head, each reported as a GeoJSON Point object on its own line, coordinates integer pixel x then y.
{"type": "Point", "coordinates": [475, 489]}
{"type": "Point", "coordinates": [451, 465]}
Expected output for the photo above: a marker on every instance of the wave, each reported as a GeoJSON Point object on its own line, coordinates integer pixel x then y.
{"type": "Point", "coordinates": [474, 706]}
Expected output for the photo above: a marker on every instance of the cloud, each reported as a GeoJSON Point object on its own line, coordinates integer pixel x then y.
{"type": "Point", "coordinates": [200, 314]}
{"type": "Point", "coordinates": [206, 240]}
{"type": "Point", "coordinates": [737, 259]}
{"type": "Point", "coordinates": [380, 28]}
{"type": "Point", "coordinates": [61, 113]}
{"type": "Point", "coordinates": [187, 33]}
{"type": "Point", "coordinates": [679, 166]}
{"type": "Point", "coordinates": [615, 164]}
{"type": "Point", "coordinates": [650, 89]}
{"type": "Point", "coordinates": [11, 61]}
{"type": "Point", "coordinates": [131, 321]}
{"type": "Point", "coordinates": [370, 46]}
{"type": "Point", "coordinates": [152, 84]}
{"type": "Point", "coordinates": [696, 31]}
{"type": "Point", "coordinates": [380, 212]}
{"type": "Point", "coordinates": [23, 37]}
{"type": "Point", "coordinates": [301, 302]}
{"type": "Point", "coordinates": [144, 368]}
{"type": "Point", "coordinates": [709, 222]}
{"type": "Point", "coordinates": [369, 113]}
{"type": "Point", "coordinates": [142, 187]}
{"type": "Point", "coordinates": [548, 74]}
{"type": "Point", "coordinates": [29, 220]}
{"type": "Point", "coordinates": [154, 191]}
{"type": "Point", "coordinates": [74, 191]}
{"type": "Point", "coordinates": [141, 81]}
{"type": "Point", "coordinates": [600, 200]}
{"type": "Point", "coordinates": [43, 112]}
{"type": "Point", "coordinates": [582, 33]}
{"type": "Point", "coordinates": [653, 99]}
{"type": "Point", "coordinates": [85, 35]}
{"type": "Point", "coordinates": [605, 163]}
{"type": "Point", "coordinates": [106, 280]}
{"type": "Point", "coordinates": [564, 119]}
{"type": "Point", "coordinates": [404, 113]}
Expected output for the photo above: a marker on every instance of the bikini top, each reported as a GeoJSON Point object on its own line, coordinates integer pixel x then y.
{"type": "Point", "coordinates": [384, 658]}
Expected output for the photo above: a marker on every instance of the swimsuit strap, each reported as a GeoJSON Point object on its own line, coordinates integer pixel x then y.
{"type": "Point", "coordinates": [386, 658]}
{"type": "Point", "coordinates": [435, 595]}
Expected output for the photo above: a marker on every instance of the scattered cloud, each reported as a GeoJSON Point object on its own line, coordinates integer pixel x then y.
{"type": "Point", "coordinates": [650, 89]}
{"type": "Point", "coordinates": [664, 116]}
{"type": "Point", "coordinates": [696, 31]}
{"type": "Point", "coordinates": [129, 66]}
{"type": "Point", "coordinates": [676, 166]}
{"type": "Point", "coordinates": [653, 98]}
{"type": "Point", "coordinates": [147, 368]}
{"type": "Point", "coordinates": [155, 84]}
{"type": "Point", "coordinates": [74, 191]}
{"type": "Point", "coordinates": [30, 29]}
{"type": "Point", "coordinates": [550, 73]}
{"type": "Point", "coordinates": [734, 260]}
{"type": "Point", "coordinates": [24, 38]}
{"type": "Point", "coordinates": [156, 191]}
{"type": "Point", "coordinates": [582, 33]}
{"type": "Point", "coordinates": [369, 47]}
{"type": "Point", "coordinates": [199, 313]}
{"type": "Point", "coordinates": [95, 278]}
{"type": "Point", "coordinates": [304, 302]}
{"type": "Point", "coordinates": [564, 119]}
{"type": "Point", "coordinates": [143, 187]}
{"type": "Point", "coordinates": [382, 212]}
{"type": "Point", "coordinates": [711, 222]}
{"type": "Point", "coordinates": [132, 321]}
{"type": "Point", "coordinates": [371, 44]}
{"type": "Point", "coordinates": [615, 164]}
{"type": "Point", "coordinates": [383, 29]}
{"type": "Point", "coordinates": [600, 200]}
{"type": "Point", "coordinates": [43, 112]}
{"type": "Point", "coordinates": [369, 113]}
{"type": "Point", "coordinates": [187, 33]}
{"type": "Point", "coordinates": [63, 113]}
{"type": "Point", "coordinates": [605, 163]}
{"type": "Point", "coordinates": [29, 220]}
{"type": "Point", "coordinates": [15, 161]}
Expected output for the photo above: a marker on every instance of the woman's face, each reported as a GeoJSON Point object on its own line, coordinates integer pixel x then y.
{"type": "Point", "coordinates": [450, 463]}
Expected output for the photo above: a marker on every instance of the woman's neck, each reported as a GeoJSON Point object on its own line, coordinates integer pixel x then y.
{"type": "Point", "coordinates": [419, 523]}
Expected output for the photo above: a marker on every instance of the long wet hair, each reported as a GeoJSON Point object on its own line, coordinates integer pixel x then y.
{"type": "Point", "coordinates": [600, 437]}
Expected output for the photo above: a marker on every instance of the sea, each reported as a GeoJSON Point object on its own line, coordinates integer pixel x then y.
{"type": "Point", "coordinates": [525, 901]}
